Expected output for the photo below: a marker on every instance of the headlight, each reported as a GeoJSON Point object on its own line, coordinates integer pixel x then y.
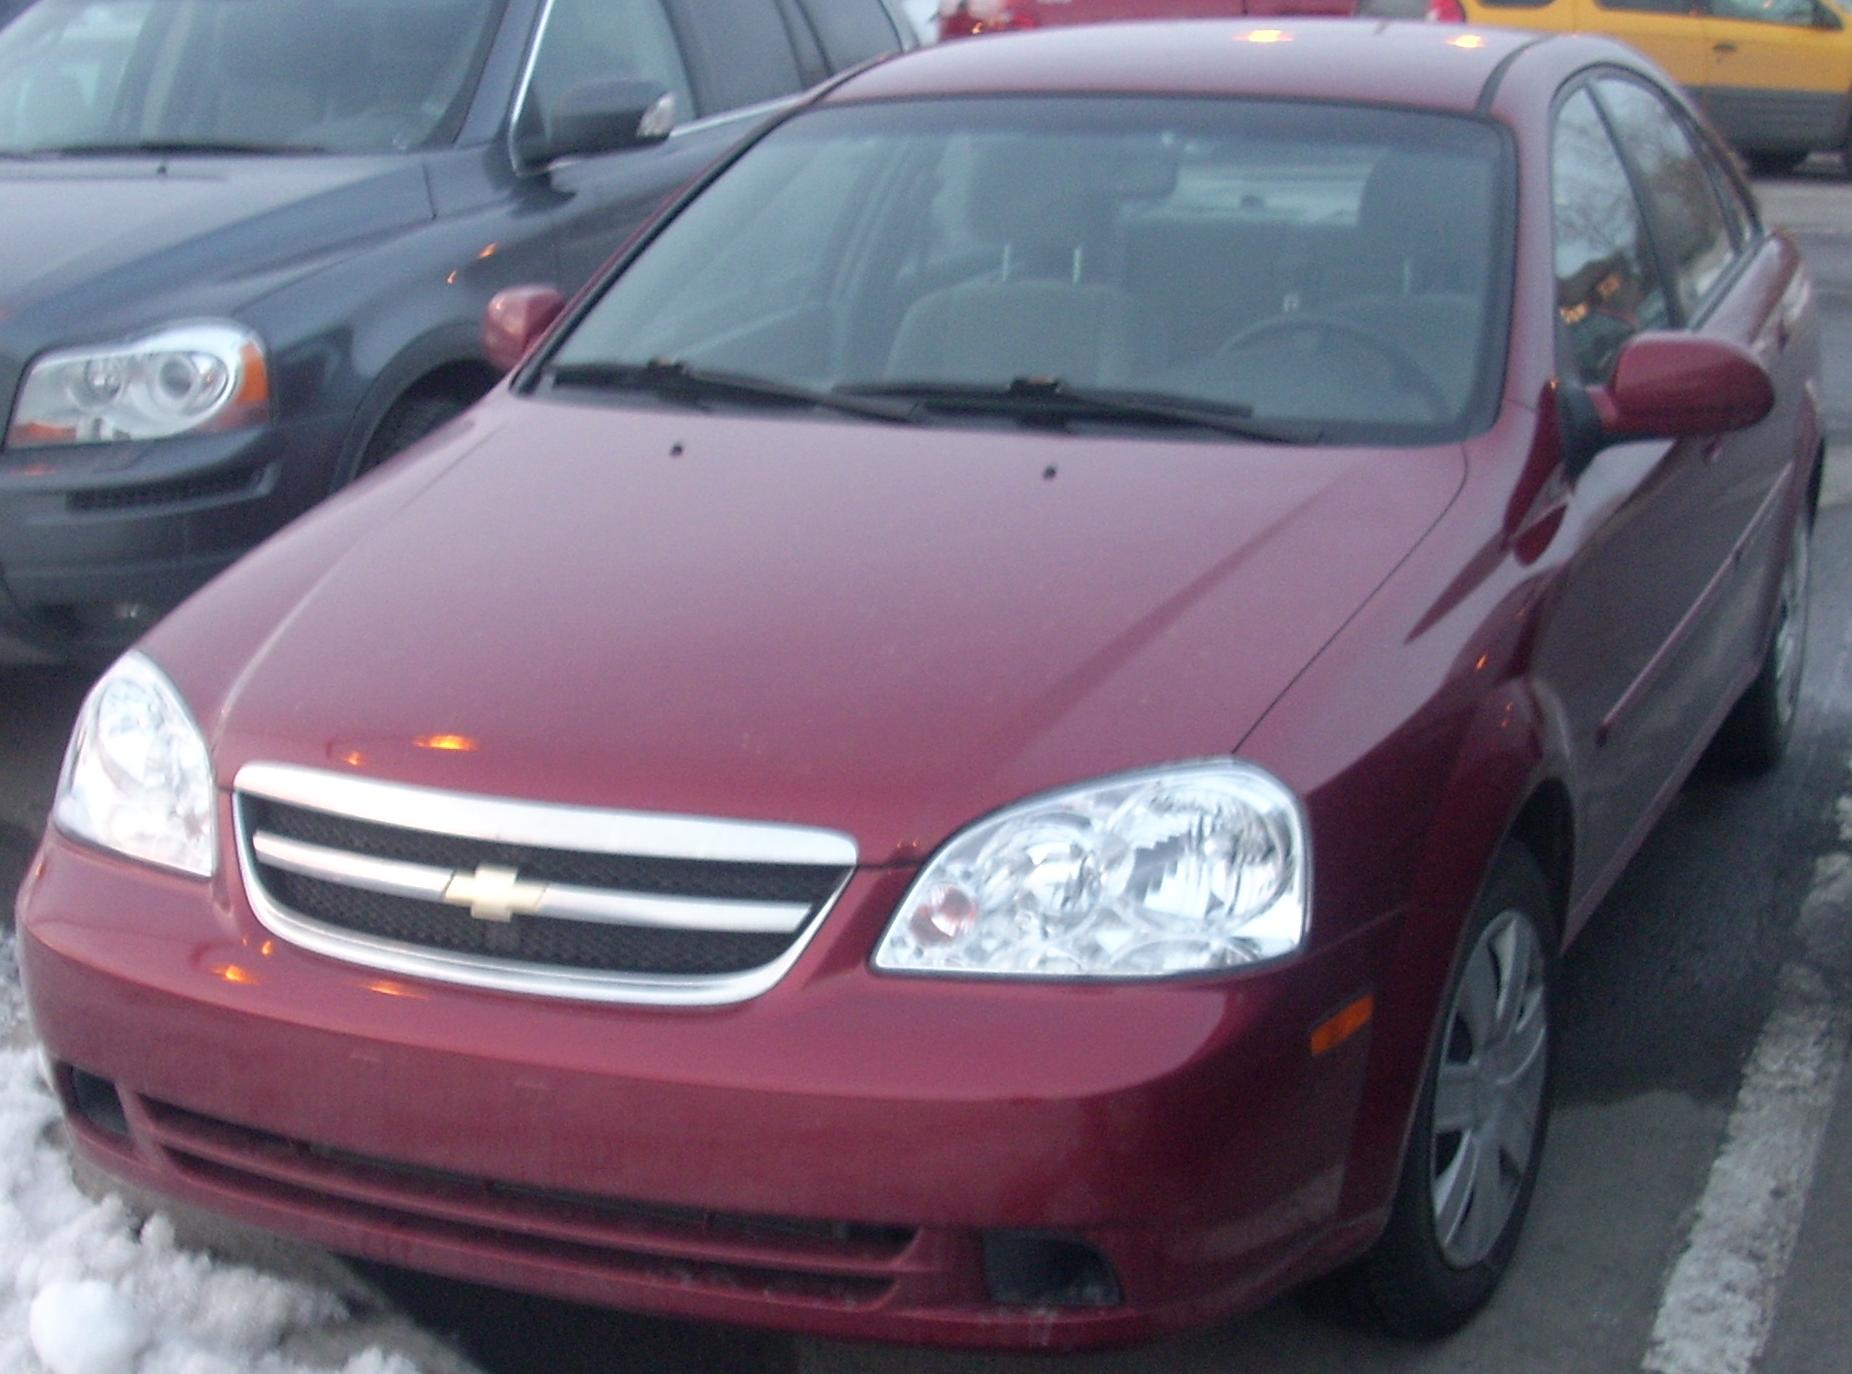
{"type": "Point", "coordinates": [137, 778]}
{"type": "Point", "coordinates": [1182, 870]}
{"type": "Point", "coordinates": [190, 378]}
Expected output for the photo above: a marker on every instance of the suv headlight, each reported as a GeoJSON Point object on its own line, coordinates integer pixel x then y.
{"type": "Point", "coordinates": [137, 778]}
{"type": "Point", "coordinates": [191, 378]}
{"type": "Point", "coordinates": [1181, 870]}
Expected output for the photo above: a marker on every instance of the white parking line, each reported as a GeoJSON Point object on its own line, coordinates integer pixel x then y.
{"type": "Point", "coordinates": [1720, 1302]}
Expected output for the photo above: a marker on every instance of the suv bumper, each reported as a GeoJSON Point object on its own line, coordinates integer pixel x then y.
{"type": "Point", "coordinates": [98, 542]}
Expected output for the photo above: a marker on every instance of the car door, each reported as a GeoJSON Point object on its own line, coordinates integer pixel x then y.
{"type": "Point", "coordinates": [1779, 73]}
{"type": "Point", "coordinates": [1671, 32]}
{"type": "Point", "coordinates": [1699, 224]}
{"type": "Point", "coordinates": [1619, 647]}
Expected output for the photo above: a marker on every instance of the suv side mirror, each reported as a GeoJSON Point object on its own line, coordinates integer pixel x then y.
{"type": "Point", "coordinates": [516, 320]}
{"type": "Point", "coordinates": [594, 117]}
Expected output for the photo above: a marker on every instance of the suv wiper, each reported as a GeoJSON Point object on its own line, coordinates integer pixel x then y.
{"type": "Point", "coordinates": [1053, 399]}
{"type": "Point", "coordinates": [159, 147]}
{"type": "Point", "coordinates": [677, 380]}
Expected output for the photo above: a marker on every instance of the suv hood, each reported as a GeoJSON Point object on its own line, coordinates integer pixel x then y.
{"type": "Point", "coordinates": [96, 243]}
{"type": "Point", "coordinates": [882, 630]}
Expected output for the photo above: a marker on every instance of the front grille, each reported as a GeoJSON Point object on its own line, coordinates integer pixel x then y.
{"type": "Point", "coordinates": [844, 1263]}
{"type": "Point", "coordinates": [481, 897]}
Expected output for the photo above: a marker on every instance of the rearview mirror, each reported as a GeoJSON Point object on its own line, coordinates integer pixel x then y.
{"type": "Point", "coordinates": [516, 320]}
{"type": "Point", "coordinates": [1676, 386]}
{"type": "Point", "coordinates": [594, 117]}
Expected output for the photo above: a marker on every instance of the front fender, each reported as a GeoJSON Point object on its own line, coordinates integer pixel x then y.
{"type": "Point", "coordinates": [1513, 748]}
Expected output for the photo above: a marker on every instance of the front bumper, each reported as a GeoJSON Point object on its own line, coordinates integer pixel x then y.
{"type": "Point", "coordinates": [847, 1154]}
{"type": "Point", "coordinates": [97, 542]}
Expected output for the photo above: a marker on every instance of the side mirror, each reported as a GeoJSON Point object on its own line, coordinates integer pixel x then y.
{"type": "Point", "coordinates": [516, 320]}
{"type": "Point", "coordinates": [594, 117]}
{"type": "Point", "coordinates": [1677, 386]}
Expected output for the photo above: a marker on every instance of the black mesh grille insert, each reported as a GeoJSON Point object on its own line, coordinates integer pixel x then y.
{"type": "Point", "coordinates": [525, 939]}
{"type": "Point", "coordinates": [537, 941]}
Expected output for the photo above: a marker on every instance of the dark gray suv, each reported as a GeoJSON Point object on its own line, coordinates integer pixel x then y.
{"type": "Point", "coordinates": [249, 243]}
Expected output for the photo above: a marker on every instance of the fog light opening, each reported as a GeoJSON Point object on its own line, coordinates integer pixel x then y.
{"type": "Point", "coordinates": [99, 1104]}
{"type": "Point", "coordinates": [1022, 1269]}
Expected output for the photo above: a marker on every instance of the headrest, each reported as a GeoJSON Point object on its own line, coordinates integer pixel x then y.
{"type": "Point", "coordinates": [1054, 189]}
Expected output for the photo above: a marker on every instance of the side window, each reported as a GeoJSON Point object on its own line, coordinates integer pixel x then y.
{"type": "Point", "coordinates": [1652, 7]}
{"type": "Point", "coordinates": [1737, 211]}
{"type": "Point", "coordinates": [1694, 236]}
{"type": "Point", "coordinates": [852, 31]}
{"type": "Point", "coordinates": [1798, 14]}
{"type": "Point", "coordinates": [742, 50]}
{"type": "Point", "coordinates": [1607, 289]}
{"type": "Point", "coordinates": [606, 40]}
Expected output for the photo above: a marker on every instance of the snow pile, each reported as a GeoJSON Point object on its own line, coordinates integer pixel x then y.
{"type": "Point", "coordinates": [93, 1292]}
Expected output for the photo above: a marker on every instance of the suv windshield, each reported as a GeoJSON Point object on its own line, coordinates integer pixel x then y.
{"type": "Point", "coordinates": [1309, 270]}
{"type": "Point", "coordinates": [176, 76]}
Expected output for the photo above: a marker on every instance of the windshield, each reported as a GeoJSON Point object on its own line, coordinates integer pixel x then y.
{"type": "Point", "coordinates": [1333, 268]}
{"type": "Point", "coordinates": [81, 76]}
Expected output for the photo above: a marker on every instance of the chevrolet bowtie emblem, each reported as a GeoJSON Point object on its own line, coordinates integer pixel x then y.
{"type": "Point", "coordinates": [493, 893]}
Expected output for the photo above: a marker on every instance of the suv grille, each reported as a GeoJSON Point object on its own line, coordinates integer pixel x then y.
{"type": "Point", "coordinates": [487, 900]}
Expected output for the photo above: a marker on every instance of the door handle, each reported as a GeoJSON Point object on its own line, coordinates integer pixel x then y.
{"type": "Point", "coordinates": [1723, 47]}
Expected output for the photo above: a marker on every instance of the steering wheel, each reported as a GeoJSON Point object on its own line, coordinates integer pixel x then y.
{"type": "Point", "coordinates": [1403, 368]}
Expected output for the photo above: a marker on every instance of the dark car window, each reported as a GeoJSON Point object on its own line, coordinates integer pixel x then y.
{"type": "Point", "coordinates": [1607, 286]}
{"type": "Point", "coordinates": [743, 52]}
{"type": "Point", "coordinates": [1682, 7]}
{"type": "Point", "coordinates": [1694, 236]}
{"type": "Point", "coordinates": [1329, 267]}
{"type": "Point", "coordinates": [342, 75]}
{"type": "Point", "coordinates": [1800, 14]}
{"type": "Point", "coordinates": [851, 33]}
{"type": "Point", "coordinates": [607, 40]}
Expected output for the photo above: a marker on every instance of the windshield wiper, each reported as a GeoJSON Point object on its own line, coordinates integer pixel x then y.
{"type": "Point", "coordinates": [678, 380]}
{"type": "Point", "coordinates": [175, 147]}
{"type": "Point", "coordinates": [1053, 399]}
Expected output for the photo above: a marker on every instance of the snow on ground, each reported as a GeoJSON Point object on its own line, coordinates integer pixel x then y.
{"type": "Point", "coordinates": [94, 1290]}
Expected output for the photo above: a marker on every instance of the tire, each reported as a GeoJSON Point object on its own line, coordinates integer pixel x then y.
{"type": "Point", "coordinates": [409, 420]}
{"type": "Point", "coordinates": [1755, 735]}
{"type": "Point", "coordinates": [1773, 164]}
{"type": "Point", "coordinates": [1480, 1123]}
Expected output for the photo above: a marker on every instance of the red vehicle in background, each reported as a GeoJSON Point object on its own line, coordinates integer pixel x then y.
{"type": "Point", "coordinates": [964, 18]}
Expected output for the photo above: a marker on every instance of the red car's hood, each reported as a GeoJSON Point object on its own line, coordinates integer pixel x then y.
{"type": "Point", "coordinates": [880, 629]}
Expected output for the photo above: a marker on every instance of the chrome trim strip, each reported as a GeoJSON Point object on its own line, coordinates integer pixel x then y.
{"type": "Point", "coordinates": [519, 107]}
{"type": "Point", "coordinates": [558, 901]}
{"type": "Point", "coordinates": [500, 820]}
{"type": "Point", "coordinates": [391, 876]}
{"type": "Point", "coordinates": [564, 902]}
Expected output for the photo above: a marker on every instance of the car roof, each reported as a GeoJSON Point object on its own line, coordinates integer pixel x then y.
{"type": "Point", "coordinates": [1435, 66]}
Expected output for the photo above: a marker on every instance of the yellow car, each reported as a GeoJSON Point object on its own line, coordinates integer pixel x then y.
{"type": "Point", "coordinates": [1775, 76]}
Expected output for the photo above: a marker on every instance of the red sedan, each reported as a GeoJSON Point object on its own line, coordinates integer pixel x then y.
{"type": "Point", "coordinates": [968, 18]}
{"type": "Point", "coordinates": [994, 739]}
